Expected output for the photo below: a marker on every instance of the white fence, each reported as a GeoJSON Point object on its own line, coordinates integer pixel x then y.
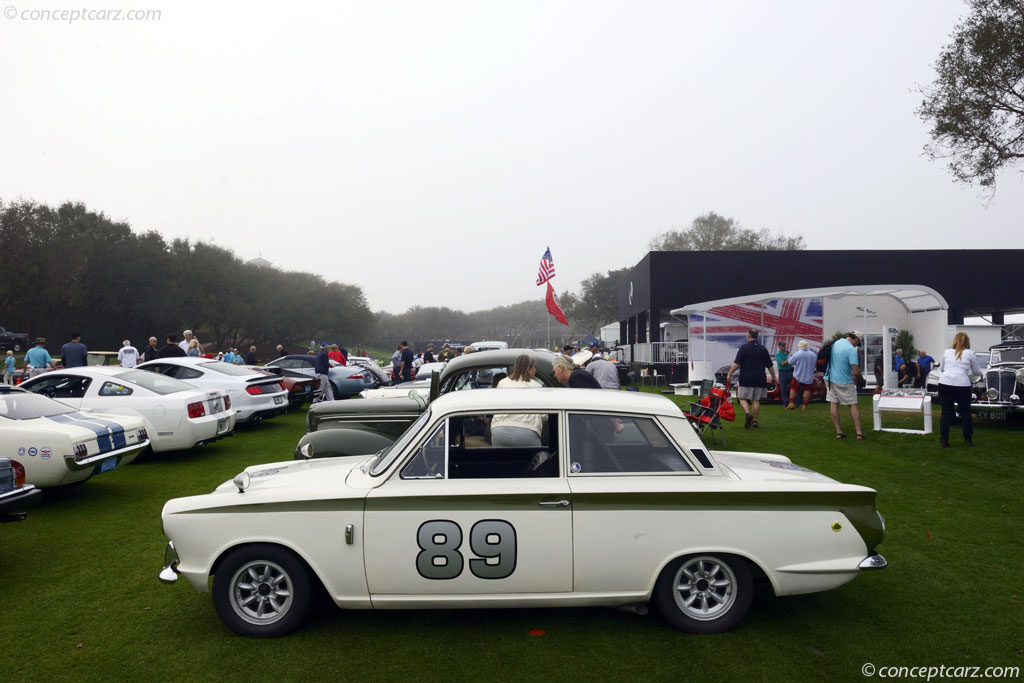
{"type": "Point", "coordinates": [658, 352]}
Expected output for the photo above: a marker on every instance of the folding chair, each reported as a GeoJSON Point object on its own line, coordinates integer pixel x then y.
{"type": "Point", "coordinates": [655, 377]}
{"type": "Point", "coordinates": [707, 415]}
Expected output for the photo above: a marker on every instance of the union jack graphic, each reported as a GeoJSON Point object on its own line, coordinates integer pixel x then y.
{"type": "Point", "coordinates": [787, 320]}
{"type": "Point", "coordinates": [547, 268]}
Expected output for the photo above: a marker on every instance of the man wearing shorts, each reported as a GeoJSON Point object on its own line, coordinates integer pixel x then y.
{"type": "Point", "coordinates": [803, 362]}
{"type": "Point", "coordinates": [752, 360]}
{"type": "Point", "coordinates": [842, 378]}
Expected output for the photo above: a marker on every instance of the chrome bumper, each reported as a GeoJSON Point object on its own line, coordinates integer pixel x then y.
{"type": "Point", "coordinates": [874, 561]}
{"type": "Point", "coordinates": [169, 574]}
{"type": "Point", "coordinates": [75, 465]}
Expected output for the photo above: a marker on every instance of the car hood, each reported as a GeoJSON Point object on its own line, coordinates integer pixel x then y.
{"type": "Point", "coordinates": [279, 482]}
{"type": "Point", "coordinates": [754, 467]}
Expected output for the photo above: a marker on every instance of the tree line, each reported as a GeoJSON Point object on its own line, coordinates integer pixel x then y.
{"type": "Point", "coordinates": [69, 268]}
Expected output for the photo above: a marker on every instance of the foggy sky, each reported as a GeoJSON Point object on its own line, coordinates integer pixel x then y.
{"type": "Point", "coordinates": [430, 151]}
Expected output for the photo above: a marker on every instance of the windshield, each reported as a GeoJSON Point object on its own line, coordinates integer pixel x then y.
{"type": "Point", "coordinates": [388, 455]}
{"type": "Point", "coordinates": [1014, 355]}
{"type": "Point", "coordinates": [21, 406]}
{"type": "Point", "coordinates": [227, 368]}
{"type": "Point", "coordinates": [155, 382]}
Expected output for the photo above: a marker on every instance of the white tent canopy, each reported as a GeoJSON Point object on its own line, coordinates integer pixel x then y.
{"type": "Point", "coordinates": [915, 298]}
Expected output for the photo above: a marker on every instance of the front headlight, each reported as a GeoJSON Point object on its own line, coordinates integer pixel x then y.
{"type": "Point", "coordinates": [992, 394]}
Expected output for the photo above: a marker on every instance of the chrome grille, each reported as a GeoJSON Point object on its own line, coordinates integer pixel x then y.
{"type": "Point", "coordinates": [1004, 383]}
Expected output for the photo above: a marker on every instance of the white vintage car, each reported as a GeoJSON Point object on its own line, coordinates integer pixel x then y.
{"type": "Point", "coordinates": [177, 415]}
{"type": "Point", "coordinates": [59, 445]}
{"type": "Point", "coordinates": [610, 498]}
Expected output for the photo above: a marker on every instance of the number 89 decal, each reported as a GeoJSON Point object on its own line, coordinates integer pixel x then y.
{"type": "Point", "coordinates": [493, 541]}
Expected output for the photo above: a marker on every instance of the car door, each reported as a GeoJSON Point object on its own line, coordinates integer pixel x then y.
{"type": "Point", "coordinates": [459, 517]}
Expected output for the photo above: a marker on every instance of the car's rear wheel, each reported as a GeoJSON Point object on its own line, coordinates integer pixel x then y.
{"type": "Point", "coordinates": [707, 593]}
{"type": "Point", "coordinates": [17, 347]}
{"type": "Point", "coordinates": [262, 591]}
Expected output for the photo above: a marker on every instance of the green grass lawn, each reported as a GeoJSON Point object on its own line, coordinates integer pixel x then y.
{"type": "Point", "coordinates": [81, 600]}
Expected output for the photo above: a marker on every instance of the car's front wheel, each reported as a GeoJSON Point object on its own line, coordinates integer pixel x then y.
{"type": "Point", "coordinates": [262, 591]}
{"type": "Point", "coordinates": [708, 593]}
{"type": "Point", "coordinates": [17, 347]}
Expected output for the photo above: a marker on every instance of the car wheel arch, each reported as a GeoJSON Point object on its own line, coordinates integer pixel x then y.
{"type": "Point", "coordinates": [227, 550]}
{"type": "Point", "coordinates": [758, 574]}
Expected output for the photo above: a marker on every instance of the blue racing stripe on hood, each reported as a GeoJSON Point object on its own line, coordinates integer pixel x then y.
{"type": "Point", "coordinates": [102, 435]}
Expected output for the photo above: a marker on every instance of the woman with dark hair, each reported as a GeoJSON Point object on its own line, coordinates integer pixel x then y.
{"type": "Point", "coordinates": [958, 364]}
{"type": "Point", "coordinates": [518, 429]}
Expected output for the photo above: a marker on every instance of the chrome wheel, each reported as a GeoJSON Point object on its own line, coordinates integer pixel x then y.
{"type": "Point", "coordinates": [261, 592]}
{"type": "Point", "coordinates": [705, 588]}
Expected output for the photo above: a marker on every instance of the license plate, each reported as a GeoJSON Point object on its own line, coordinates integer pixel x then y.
{"type": "Point", "coordinates": [222, 425]}
{"type": "Point", "coordinates": [108, 464]}
{"type": "Point", "coordinates": [278, 400]}
{"type": "Point", "coordinates": [992, 415]}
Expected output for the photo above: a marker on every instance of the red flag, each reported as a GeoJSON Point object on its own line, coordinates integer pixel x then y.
{"type": "Point", "coordinates": [554, 308]}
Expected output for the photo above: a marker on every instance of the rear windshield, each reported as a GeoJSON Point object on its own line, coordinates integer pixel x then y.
{"type": "Point", "coordinates": [155, 382]}
{"type": "Point", "coordinates": [29, 406]}
{"type": "Point", "coordinates": [227, 368]}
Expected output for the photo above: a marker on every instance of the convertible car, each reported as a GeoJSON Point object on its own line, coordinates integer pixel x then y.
{"type": "Point", "coordinates": [611, 500]}
{"type": "Point", "coordinates": [353, 427]}
{"type": "Point", "coordinates": [59, 445]}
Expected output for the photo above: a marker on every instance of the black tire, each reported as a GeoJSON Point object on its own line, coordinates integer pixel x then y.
{"type": "Point", "coordinates": [246, 584]}
{"type": "Point", "coordinates": [712, 608]}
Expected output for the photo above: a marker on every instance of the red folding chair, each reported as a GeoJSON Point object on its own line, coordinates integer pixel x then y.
{"type": "Point", "coordinates": [708, 414]}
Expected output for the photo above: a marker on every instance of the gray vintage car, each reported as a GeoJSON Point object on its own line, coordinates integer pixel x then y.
{"type": "Point", "coordinates": [358, 426]}
{"type": "Point", "coordinates": [1003, 382]}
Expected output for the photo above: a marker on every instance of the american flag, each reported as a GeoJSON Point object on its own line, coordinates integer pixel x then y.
{"type": "Point", "coordinates": [547, 268]}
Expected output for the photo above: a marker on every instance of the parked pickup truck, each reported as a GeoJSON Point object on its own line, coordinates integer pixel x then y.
{"type": "Point", "coordinates": [14, 341]}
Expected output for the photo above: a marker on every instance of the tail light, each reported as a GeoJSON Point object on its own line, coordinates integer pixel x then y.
{"type": "Point", "coordinates": [196, 409]}
{"type": "Point", "coordinates": [19, 473]}
{"type": "Point", "coordinates": [81, 450]}
{"type": "Point", "coordinates": [227, 403]}
{"type": "Point", "coordinates": [257, 389]}
{"type": "Point", "coordinates": [254, 390]}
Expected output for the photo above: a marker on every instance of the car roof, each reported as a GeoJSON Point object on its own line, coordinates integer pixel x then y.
{"type": "Point", "coordinates": [107, 370]}
{"type": "Point", "coordinates": [555, 398]}
{"type": "Point", "coordinates": [497, 357]}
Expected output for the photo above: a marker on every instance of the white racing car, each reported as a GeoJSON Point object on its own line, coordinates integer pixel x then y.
{"type": "Point", "coordinates": [255, 395]}
{"type": "Point", "coordinates": [610, 498]}
{"type": "Point", "coordinates": [177, 415]}
{"type": "Point", "coordinates": [58, 445]}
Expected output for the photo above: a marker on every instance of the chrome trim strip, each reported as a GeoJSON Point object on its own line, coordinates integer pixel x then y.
{"type": "Point", "coordinates": [72, 464]}
{"type": "Point", "coordinates": [873, 561]}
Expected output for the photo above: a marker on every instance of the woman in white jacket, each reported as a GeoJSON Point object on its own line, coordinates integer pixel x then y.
{"type": "Point", "coordinates": [518, 429]}
{"type": "Point", "coordinates": [958, 364]}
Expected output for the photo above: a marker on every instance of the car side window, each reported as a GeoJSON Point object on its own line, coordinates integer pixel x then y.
{"type": "Point", "coordinates": [112, 389]}
{"type": "Point", "coordinates": [62, 386]}
{"type": "Point", "coordinates": [505, 446]}
{"type": "Point", "coordinates": [479, 378]}
{"type": "Point", "coordinates": [621, 444]}
{"type": "Point", "coordinates": [186, 374]}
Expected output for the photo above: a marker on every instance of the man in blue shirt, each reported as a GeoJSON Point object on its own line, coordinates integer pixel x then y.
{"type": "Point", "coordinates": [924, 364]}
{"type": "Point", "coordinates": [842, 378]}
{"type": "Point", "coordinates": [73, 354]}
{"type": "Point", "coordinates": [752, 360]}
{"type": "Point", "coordinates": [37, 359]}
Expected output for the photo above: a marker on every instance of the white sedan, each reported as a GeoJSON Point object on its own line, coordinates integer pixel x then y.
{"type": "Point", "coordinates": [255, 395]}
{"type": "Point", "coordinates": [59, 445]}
{"type": "Point", "coordinates": [177, 415]}
{"type": "Point", "coordinates": [591, 498]}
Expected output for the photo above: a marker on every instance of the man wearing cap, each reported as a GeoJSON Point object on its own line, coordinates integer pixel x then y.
{"type": "Point", "coordinates": [446, 354]}
{"type": "Point", "coordinates": [428, 355]}
{"type": "Point", "coordinates": [602, 370]}
{"type": "Point", "coordinates": [37, 359]}
{"type": "Point", "coordinates": [322, 366]}
{"type": "Point", "coordinates": [73, 354]}
{"type": "Point", "coordinates": [842, 379]}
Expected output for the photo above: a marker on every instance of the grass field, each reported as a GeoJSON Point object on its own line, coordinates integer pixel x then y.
{"type": "Point", "coordinates": [81, 600]}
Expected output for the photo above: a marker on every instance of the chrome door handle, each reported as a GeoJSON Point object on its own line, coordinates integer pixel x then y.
{"type": "Point", "coordinates": [555, 503]}
{"type": "Point", "coordinates": [349, 533]}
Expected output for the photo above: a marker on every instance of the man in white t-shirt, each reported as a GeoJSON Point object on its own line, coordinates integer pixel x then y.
{"type": "Point", "coordinates": [128, 355]}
